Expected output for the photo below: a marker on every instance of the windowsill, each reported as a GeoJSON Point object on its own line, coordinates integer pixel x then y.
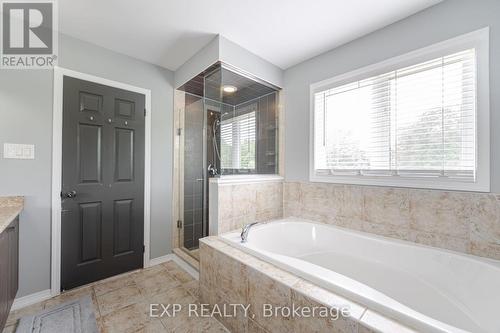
{"type": "Point", "coordinates": [245, 179]}
{"type": "Point", "coordinates": [420, 183]}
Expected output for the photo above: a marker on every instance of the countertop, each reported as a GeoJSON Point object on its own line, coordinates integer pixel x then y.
{"type": "Point", "coordinates": [10, 207]}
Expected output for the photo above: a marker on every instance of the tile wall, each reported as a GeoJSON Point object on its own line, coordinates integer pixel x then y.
{"type": "Point", "coordinates": [466, 222]}
{"type": "Point", "coordinates": [239, 204]}
{"type": "Point", "coordinates": [461, 221]}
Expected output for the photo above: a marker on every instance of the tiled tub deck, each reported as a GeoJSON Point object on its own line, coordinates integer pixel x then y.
{"type": "Point", "coordinates": [230, 276]}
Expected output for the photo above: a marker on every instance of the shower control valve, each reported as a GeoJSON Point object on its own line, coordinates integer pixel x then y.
{"type": "Point", "coordinates": [212, 170]}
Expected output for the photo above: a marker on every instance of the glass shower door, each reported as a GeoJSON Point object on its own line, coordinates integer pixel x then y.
{"type": "Point", "coordinates": [193, 173]}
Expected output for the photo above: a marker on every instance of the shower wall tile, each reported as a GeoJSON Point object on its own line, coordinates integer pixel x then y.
{"type": "Point", "coordinates": [244, 203]}
{"type": "Point", "coordinates": [386, 230]}
{"type": "Point", "coordinates": [485, 249]}
{"type": "Point", "coordinates": [389, 206]}
{"type": "Point", "coordinates": [485, 219]}
{"type": "Point", "coordinates": [291, 191]}
{"type": "Point", "coordinates": [225, 202]}
{"type": "Point", "coordinates": [269, 214]}
{"type": "Point", "coordinates": [461, 221]}
{"type": "Point", "coordinates": [268, 196]}
{"type": "Point", "coordinates": [291, 199]}
{"type": "Point", "coordinates": [349, 223]}
{"type": "Point", "coordinates": [352, 202]}
{"type": "Point", "coordinates": [244, 199]}
{"type": "Point", "coordinates": [236, 223]}
{"type": "Point", "coordinates": [437, 240]}
{"type": "Point", "coordinates": [444, 213]}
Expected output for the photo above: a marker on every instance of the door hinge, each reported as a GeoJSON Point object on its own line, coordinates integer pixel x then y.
{"type": "Point", "coordinates": [143, 248]}
{"type": "Point", "coordinates": [179, 131]}
{"type": "Point", "coordinates": [144, 112]}
{"type": "Point", "coordinates": [179, 224]}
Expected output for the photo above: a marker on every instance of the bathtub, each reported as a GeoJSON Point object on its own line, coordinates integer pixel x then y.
{"type": "Point", "coordinates": [425, 288]}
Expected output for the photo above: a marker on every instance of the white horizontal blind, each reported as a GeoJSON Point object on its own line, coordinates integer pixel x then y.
{"type": "Point", "coordinates": [415, 121]}
{"type": "Point", "coordinates": [238, 136]}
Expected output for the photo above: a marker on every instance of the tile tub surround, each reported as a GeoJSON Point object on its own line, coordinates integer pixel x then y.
{"type": "Point", "coordinates": [228, 276]}
{"type": "Point", "coordinates": [466, 222]}
{"type": "Point", "coordinates": [121, 303]}
{"type": "Point", "coordinates": [10, 207]}
{"type": "Point", "coordinates": [246, 202]}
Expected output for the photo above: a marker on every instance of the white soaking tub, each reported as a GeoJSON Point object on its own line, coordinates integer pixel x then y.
{"type": "Point", "coordinates": [426, 288]}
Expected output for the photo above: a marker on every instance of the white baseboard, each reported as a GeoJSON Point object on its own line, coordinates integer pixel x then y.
{"type": "Point", "coordinates": [30, 299]}
{"type": "Point", "coordinates": [178, 260]}
{"type": "Point", "coordinates": [161, 260]}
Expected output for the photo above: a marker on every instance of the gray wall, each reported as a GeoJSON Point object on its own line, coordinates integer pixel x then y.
{"type": "Point", "coordinates": [235, 55]}
{"type": "Point", "coordinates": [222, 49]}
{"type": "Point", "coordinates": [200, 61]}
{"type": "Point", "coordinates": [443, 21]}
{"type": "Point", "coordinates": [26, 117]}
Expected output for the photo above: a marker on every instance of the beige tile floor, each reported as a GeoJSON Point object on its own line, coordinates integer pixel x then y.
{"type": "Point", "coordinates": [195, 253]}
{"type": "Point", "coordinates": [121, 303]}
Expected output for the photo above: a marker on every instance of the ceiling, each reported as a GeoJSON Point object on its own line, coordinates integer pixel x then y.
{"type": "Point", "coordinates": [284, 32]}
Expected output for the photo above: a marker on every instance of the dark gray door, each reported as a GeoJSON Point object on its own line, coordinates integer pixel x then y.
{"type": "Point", "coordinates": [102, 222]}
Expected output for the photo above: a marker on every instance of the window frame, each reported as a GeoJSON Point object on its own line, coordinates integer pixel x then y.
{"type": "Point", "coordinates": [479, 40]}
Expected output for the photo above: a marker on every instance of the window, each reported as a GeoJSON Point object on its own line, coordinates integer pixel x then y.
{"type": "Point", "coordinates": [238, 136]}
{"type": "Point", "coordinates": [413, 125]}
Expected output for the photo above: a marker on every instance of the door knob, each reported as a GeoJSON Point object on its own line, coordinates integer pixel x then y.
{"type": "Point", "coordinates": [69, 195]}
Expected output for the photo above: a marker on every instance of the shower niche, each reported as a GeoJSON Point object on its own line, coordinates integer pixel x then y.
{"type": "Point", "coordinates": [227, 125]}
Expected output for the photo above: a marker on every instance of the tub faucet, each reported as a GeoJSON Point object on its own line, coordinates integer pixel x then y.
{"type": "Point", "coordinates": [246, 230]}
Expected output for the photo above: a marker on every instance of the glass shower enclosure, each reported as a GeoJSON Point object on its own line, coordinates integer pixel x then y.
{"type": "Point", "coordinates": [228, 125]}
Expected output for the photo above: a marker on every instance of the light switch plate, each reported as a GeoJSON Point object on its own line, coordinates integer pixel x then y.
{"type": "Point", "coordinates": [18, 151]}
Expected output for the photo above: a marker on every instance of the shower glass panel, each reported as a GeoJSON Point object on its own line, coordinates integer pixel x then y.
{"type": "Point", "coordinates": [248, 123]}
{"type": "Point", "coordinates": [230, 127]}
{"type": "Point", "coordinates": [194, 187]}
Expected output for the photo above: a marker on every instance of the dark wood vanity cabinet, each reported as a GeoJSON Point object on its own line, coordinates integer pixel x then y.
{"type": "Point", "coordinates": [9, 273]}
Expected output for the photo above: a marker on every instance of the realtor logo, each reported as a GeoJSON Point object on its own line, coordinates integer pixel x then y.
{"type": "Point", "coordinates": [29, 38]}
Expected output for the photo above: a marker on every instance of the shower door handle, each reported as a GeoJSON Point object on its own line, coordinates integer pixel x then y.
{"type": "Point", "coordinates": [199, 179]}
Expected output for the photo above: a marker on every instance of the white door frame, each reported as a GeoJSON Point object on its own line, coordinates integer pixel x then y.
{"type": "Point", "coordinates": [57, 127]}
